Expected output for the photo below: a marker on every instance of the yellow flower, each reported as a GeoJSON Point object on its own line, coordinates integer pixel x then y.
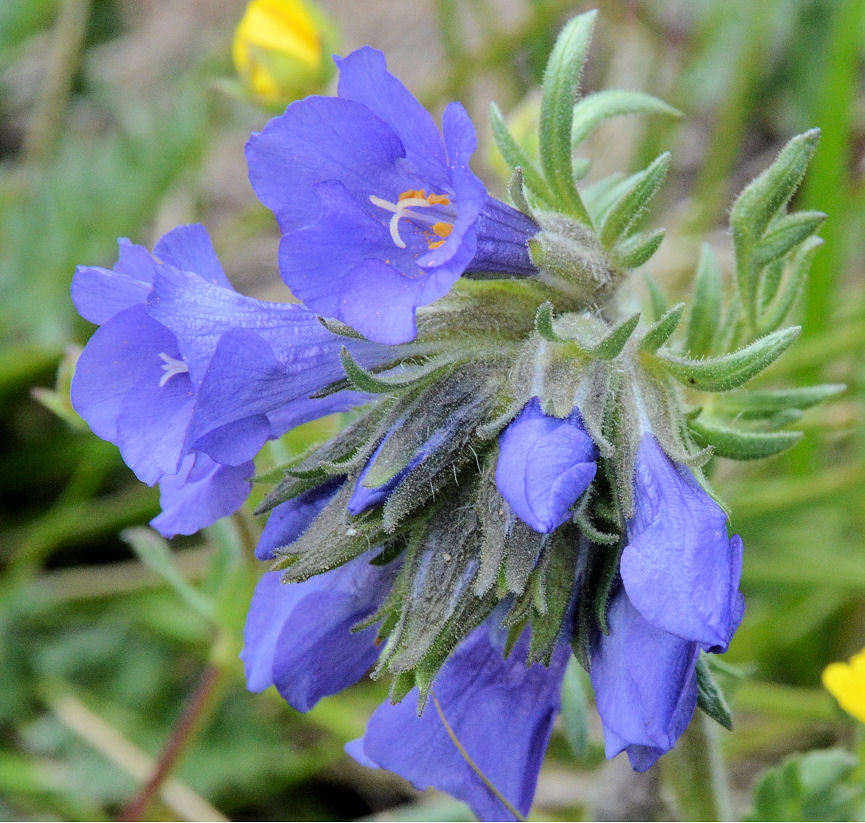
{"type": "Point", "coordinates": [281, 49]}
{"type": "Point", "coordinates": [846, 683]}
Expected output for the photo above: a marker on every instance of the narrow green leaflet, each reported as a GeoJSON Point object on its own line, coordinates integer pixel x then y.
{"type": "Point", "coordinates": [561, 81]}
{"type": "Point", "coordinates": [660, 332]}
{"type": "Point", "coordinates": [730, 370]}
{"type": "Point", "coordinates": [742, 445]}
{"type": "Point", "coordinates": [634, 200]}
{"type": "Point", "coordinates": [595, 108]}
{"type": "Point", "coordinates": [705, 314]}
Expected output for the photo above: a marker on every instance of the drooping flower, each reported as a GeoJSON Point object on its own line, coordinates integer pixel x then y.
{"type": "Point", "coordinates": [189, 378]}
{"type": "Point", "coordinates": [545, 464]}
{"type": "Point", "coordinates": [500, 710]}
{"type": "Point", "coordinates": [846, 683]}
{"type": "Point", "coordinates": [645, 684]}
{"type": "Point", "coordinates": [380, 213]}
{"type": "Point", "coordinates": [680, 569]}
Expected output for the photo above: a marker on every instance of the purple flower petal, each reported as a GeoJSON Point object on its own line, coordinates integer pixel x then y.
{"type": "Point", "coordinates": [545, 463]}
{"type": "Point", "coordinates": [111, 364]}
{"type": "Point", "coordinates": [100, 294]}
{"type": "Point", "coordinates": [190, 248]}
{"type": "Point", "coordinates": [501, 711]}
{"type": "Point", "coordinates": [200, 493]}
{"type": "Point", "coordinates": [298, 636]}
{"type": "Point", "coordinates": [680, 569]}
{"type": "Point", "coordinates": [377, 209]}
{"type": "Point", "coordinates": [134, 261]}
{"type": "Point", "coordinates": [364, 78]}
{"type": "Point", "coordinates": [316, 139]}
{"type": "Point", "coordinates": [645, 684]}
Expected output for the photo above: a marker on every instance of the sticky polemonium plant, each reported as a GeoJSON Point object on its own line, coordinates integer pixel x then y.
{"type": "Point", "coordinates": [523, 479]}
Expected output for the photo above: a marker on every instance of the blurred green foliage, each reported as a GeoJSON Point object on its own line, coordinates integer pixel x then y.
{"type": "Point", "coordinates": [102, 642]}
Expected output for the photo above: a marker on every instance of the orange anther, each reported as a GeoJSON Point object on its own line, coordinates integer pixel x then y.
{"type": "Point", "coordinates": [435, 244]}
{"type": "Point", "coordinates": [443, 229]}
{"type": "Point", "coordinates": [411, 193]}
{"type": "Point", "coordinates": [439, 200]}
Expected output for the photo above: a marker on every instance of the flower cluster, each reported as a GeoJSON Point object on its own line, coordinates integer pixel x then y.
{"type": "Point", "coordinates": [519, 481]}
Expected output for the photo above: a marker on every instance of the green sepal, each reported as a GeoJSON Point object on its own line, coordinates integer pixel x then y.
{"type": "Point", "coordinates": [785, 234]}
{"type": "Point", "coordinates": [611, 346]}
{"type": "Point", "coordinates": [770, 402]}
{"type": "Point", "coordinates": [758, 205]}
{"type": "Point", "coordinates": [633, 201]}
{"type": "Point", "coordinates": [333, 538]}
{"type": "Point", "coordinates": [730, 370]}
{"type": "Point", "coordinates": [366, 381]}
{"type": "Point", "coordinates": [595, 108]}
{"type": "Point", "coordinates": [776, 313]}
{"type": "Point", "coordinates": [561, 80]}
{"type": "Point", "coordinates": [544, 324]}
{"type": "Point", "coordinates": [637, 249]}
{"type": "Point", "coordinates": [517, 191]}
{"type": "Point", "coordinates": [736, 444]}
{"type": "Point", "coordinates": [759, 202]}
{"type": "Point", "coordinates": [339, 328]}
{"type": "Point", "coordinates": [400, 686]}
{"type": "Point", "coordinates": [705, 313]}
{"type": "Point", "coordinates": [710, 698]}
{"type": "Point", "coordinates": [552, 586]}
{"type": "Point", "coordinates": [515, 156]}
{"type": "Point", "coordinates": [657, 297]}
{"type": "Point", "coordinates": [575, 714]}
{"type": "Point", "coordinates": [660, 332]}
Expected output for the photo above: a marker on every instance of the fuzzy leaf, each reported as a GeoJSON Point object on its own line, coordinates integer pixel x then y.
{"type": "Point", "coordinates": [633, 201]}
{"type": "Point", "coordinates": [439, 571]}
{"type": "Point", "coordinates": [544, 323]}
{"type": "Point", "coordinates": [776, 313]}
{"type": "Point", "coordinates": [595, 108]}
{"type": "Point", "coordinates": [770, 402]}
{"type": "Point", "coordinates": [523, 547]}
{"type": "Point", "coordinates": [517, 192]}
{"type": "Point", "coordinates": [730, 370]}
{"type": "Point", "coordinates": [554, 584]}
{"type": "Point", "coordinates": [742, 445]}
{"type": "Point", "coordinates": [786, 234]}
{"type": "Point", "coordinates": [660, 332]}
{"type": "Point", "coordinates": [706, 308]}
{"type": "Point", "coordinates": [759, 204]}
{"type": "Point", "coordinates": [657, 297]}
{"type": "Point", "coordinates": [761, 199]}
{"type": "Point", "coordinates": [638, 249]}
{"type": "Point", "coordinates": [561, 80]}
{"type": "Point", "coordinates": [710, 698]}
{"type": "Point", "coordinates": [611, 346]}
{"type": "Point", "coordinates": [514, 155]}
{"type": "Point", "coordinates": [333, 538]}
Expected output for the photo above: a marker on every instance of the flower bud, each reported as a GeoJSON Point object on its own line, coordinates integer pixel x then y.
{"type": "Point", "coordinates": [280, 49]}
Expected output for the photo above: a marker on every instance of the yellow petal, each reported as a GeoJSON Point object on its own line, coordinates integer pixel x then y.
{"type": "Point", "coordinates": [846, 683]}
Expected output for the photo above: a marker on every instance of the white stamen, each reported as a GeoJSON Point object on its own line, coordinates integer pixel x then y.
{"type": "Point", "coordinates": [171, 366]}
{"type": "Point", "coordinates": [400, 210]}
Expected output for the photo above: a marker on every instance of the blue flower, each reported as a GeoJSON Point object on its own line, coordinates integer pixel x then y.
{"type": "Point", "coordinates": [680, 569]}
{"type": "Point", "coordinates": [501, 711]}
{"type": "Point", "coordinates": [645, 684]}
{"type": "Point", "coordinates": [189, 378]}
{"type": "Point", "coordinates": [380, 213]}
{"type": "Point", "coordinates": [299, 637]}
{"type": "Point", "coordinates": [545, 463]}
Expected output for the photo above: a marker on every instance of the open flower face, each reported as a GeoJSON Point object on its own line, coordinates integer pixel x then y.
{"type": "Point", "coordinates": [379, 210]}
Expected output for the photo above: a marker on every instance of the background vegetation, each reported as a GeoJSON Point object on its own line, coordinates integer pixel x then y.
{"type": "Point", "coordinates": [118, 656]}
